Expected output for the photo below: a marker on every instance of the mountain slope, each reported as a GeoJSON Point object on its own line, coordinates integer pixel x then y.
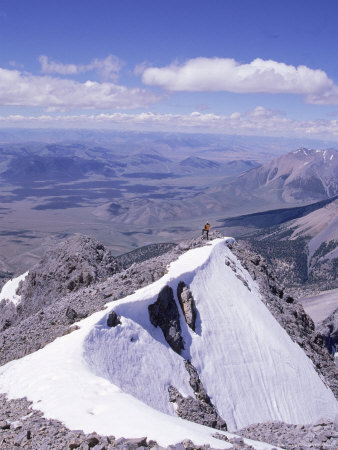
{"type": "Point", "coordinates": [247, 363]}
{"type": "Point", "coordinates": [297, 178]}
{"type": "Point", "coordinates": [274, 217]}
{"type": "Point", "coordinates": [321, 225]}
{"type": "Point", "coordinates": [304, 250]}
{"type": "Point", "coordinates": [302, 176]}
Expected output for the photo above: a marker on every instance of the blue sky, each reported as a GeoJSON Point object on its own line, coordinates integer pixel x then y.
{"type": "Point", "coordinates": [235, 67]}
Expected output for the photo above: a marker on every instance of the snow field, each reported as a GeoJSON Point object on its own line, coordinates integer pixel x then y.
{"type": "Point", "coordinates": [249, 365]}
{"type": "Point", "coordinates": [8, 291]}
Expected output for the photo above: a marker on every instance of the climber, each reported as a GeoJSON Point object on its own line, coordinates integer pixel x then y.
{"type": "Point", "coordinates": [206, 228]}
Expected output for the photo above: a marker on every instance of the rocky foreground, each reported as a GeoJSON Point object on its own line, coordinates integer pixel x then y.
{"type": "Point", "coordinates": [23, 427]}
{"type": "Point", "coordinates": [89, 287]}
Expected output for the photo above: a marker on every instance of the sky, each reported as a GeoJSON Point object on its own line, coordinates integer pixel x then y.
{"type": "Point", "coordinates": [241, 67]}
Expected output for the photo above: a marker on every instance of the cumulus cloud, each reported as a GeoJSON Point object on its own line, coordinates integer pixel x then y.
{"type": "Point", "coordinates": [24, 89]}
{"type": "Point", "coordinates": [259, 122]}
{"type": "Point", "coordinates": [107, 68]}
{"type": "Point", "coordinates": [258, 76]}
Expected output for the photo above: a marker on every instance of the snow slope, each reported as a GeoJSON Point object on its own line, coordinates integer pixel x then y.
{"type": "Point", "coordinates": [248, 364]}
{"type": "Point", "coordinates": [115, 380]}
{"type": "Point", "coordinates": [8, 291]}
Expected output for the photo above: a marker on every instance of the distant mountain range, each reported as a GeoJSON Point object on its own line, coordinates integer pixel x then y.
{"type": "Point", "coordinates": [133, 194]}
{"type": "Point", "coordinates": [299, 177]}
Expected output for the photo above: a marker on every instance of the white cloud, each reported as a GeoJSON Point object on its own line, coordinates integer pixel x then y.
{"type": "Point", "coordinates": [259, 122]}
{"type": "Point", "coordinates": [24, 89]}
{"type": "Point", "coordinates": [107, 68]}
{"type": "Point", "coordinates": [48, 66]}
{"type": "Point", "coordinates": [259, 76]}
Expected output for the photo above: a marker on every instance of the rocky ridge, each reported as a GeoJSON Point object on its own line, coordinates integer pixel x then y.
{"type": "Point", "coordinates": [70, 265]}
{"type": "Point", "coordinates": [60, 317]}
{"type": "Point", "coordinates": [56, 319]}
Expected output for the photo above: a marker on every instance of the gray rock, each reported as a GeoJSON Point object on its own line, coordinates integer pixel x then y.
{"type": "Point", "coordinates": [220, 436]}
{"type": "Point", "coordinates": [92, 441]}
{"type": "Point", "coordinates": [187, 303]}
{"type": "Point", "coordinates": [136, 442]}
{"type": "Point", "coordinates": [164, 313]}
{"type": "Point", "coordinates": [196, 410]}
{"type": "Point", "coordinates": [176, 447]}
{"type": "Point", "coordinates": [113, 319]}
{"type": "Point", "coordinates": [71, 314]}
{"type": "Point", "coordinates": [196, 384]}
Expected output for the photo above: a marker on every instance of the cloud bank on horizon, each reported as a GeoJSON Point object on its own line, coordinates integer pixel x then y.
{"type": "Point", "coordinates": [60, 95]}
{"type": "Point", "coordinates": [148, 66]}
{"type": "Point", "coordinates": [259, 76]}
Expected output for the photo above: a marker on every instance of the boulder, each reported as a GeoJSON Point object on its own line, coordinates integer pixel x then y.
{"type": "Point", "coordinates": [113, 319]}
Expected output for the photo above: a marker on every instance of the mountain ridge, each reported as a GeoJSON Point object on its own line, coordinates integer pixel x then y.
{"type": "Point", "coordinates": [125, 281]}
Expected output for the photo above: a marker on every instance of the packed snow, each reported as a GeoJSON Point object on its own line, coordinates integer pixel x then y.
{"type": "Point", "coordinates": [115, 380]}
{"type": "Point", "coordinates": [8, 291]}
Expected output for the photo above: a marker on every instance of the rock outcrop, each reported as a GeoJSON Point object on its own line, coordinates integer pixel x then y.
{"type": "Point", "coordinates": [75, 263]}
{"type": "Point", "coordinates": [199, 409]}
{"type": "Point", "coordinates": [196, 384]}
{"type": "Point", "coordinates": [113, 319]}
{"type": "Point", "coordinates": [195, 410]}
{"type": "Point", "coordinates": [187, 303]}
{"type": "Point", "coordinates": [164, 314]}
{"type": "Point", "coordinates": [329, 330]}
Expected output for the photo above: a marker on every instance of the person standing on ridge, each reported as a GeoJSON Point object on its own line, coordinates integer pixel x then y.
{"type": "Point", "coordinates": [206, 228]}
